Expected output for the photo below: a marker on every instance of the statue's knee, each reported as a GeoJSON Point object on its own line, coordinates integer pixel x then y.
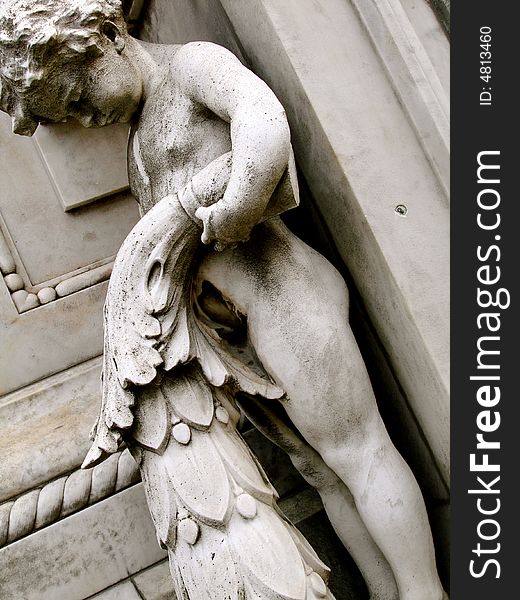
{"type": "Point", "coordinates": [352, 455]}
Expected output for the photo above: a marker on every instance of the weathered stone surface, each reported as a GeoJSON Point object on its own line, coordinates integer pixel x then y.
{"type": "Point", "coordinates": [413, 77]}
{"type": "Point", "coordinates": [61, 497]}
{"type": "Point", "coordinates": [84, 280]}
{"type": "Point", "coordinates": [34, 216]}
{"type": "Point", "coordinates": [306, 511]}
{"type": "Point", "coordinates": [83, 554]}
{"type": "Point", "coordinates": [14, 282]}
{"type": "Point", "coordinates": [357, 177]}
{"type": "Point", "coordinates": [45, 428]}
{"type": "Point", "coordinates": [284, 477]}
{"type": "Point", "coordinates": [432, 36]}
{"type": "Point", "coordinates": [295, 65]}
{"type": "Point", "coordinates": [47, 294]}
{"type": "Point", "coordinates": [19, 297]}
{"type": "Point", "coordinates": [173, 22]}
{"type": "Point", "coordinates": [55, 327]}
{"type": "Point", "coordinates": [7, 264]}
{"type": "Point", "coordinates": [155, 583]}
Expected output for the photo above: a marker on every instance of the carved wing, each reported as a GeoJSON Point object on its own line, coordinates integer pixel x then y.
{"type": "Point", "coordinates": [215, 510]}
{"type": "Point", "coordinates": [150, 322]}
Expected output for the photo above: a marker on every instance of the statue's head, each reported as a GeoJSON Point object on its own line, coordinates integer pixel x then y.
{"type": "Point", "coordinates": [61, 58]}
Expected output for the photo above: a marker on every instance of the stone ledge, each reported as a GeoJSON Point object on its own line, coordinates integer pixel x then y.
{"type": "Point", "coordinates": [101, 546]}
{"type": "Point", "coordinates": [66, 495]}
{"type": "Point", "coordinates": [45, 427]}
{"type": "Point", "coordinates": [84, 553]}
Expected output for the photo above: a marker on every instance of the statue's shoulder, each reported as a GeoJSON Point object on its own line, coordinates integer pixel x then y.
{"type": "Point", "coordinates": [203, 50]}
{"type": "Point", "coordinates": [193, 63]}
{"type": "Point", "coordinates": [199, 58]}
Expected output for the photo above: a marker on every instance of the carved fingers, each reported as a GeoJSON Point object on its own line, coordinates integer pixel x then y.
{"type": "Point", "coordinates": [223, 225]}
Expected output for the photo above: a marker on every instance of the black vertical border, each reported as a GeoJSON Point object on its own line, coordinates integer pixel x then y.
{"type": "Point", "coordinates": [478, 128]}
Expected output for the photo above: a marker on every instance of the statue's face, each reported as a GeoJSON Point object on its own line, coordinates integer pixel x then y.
{"type": "Point", "coordinates": [96, 92]}
{"type": "Point", "coordinates": [110, 91]}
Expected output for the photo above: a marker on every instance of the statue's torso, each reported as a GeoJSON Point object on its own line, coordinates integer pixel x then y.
{"type": "Point", "coordinates": [173, 139]}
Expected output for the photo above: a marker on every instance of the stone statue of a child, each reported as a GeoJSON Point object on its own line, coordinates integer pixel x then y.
{"type": "Point", "coordinates": [209, 150]}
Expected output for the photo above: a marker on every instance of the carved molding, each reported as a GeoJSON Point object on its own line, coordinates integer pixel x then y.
{"type": "Point", "coordinates": [22, 294]}
{"type": "Point", "coordinates": [413, 78]}
{"type": "Point", "coordinates": [60, 498]}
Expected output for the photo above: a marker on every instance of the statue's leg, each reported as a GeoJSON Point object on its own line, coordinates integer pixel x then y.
{"type": "Point", "coordinates": [297, 310]}
{"type": "Point", "coordinates": [385, 491]}
{"type": "Point", "coordinates": [271, 419]}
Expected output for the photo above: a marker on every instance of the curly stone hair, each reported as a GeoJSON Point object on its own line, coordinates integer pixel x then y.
{"type": "Point", "coordinates": [37, 34]}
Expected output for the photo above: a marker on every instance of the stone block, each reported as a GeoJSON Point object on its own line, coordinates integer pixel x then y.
{"type": "Point", "coordinates": [84, 553]}
{"type": "Point", "coordinates": [84, 164]}
{"type": "Point", "coordinates": [48, 243]}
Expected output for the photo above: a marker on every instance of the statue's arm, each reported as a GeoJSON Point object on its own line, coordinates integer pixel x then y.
{"type": "Point", "coordinates": [210, 75]}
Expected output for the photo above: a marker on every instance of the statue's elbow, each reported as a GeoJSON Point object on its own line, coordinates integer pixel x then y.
{"type": "Point", "coordinates": [281, 136]}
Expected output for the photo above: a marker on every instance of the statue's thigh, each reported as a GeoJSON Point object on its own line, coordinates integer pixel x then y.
{"type": "Point", "coordinates": [296, 305]}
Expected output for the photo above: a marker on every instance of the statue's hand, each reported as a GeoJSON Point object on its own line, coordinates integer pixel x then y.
{"type": "Point", "coordinates": [223, 225]}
